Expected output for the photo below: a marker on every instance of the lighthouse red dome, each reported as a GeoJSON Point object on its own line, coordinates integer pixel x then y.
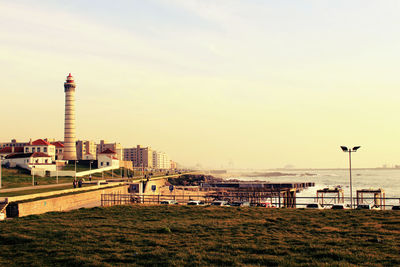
{"type": "Point", "coordinates": [70, 79]}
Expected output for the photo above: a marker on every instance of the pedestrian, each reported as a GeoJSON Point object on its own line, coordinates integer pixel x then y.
{"type": "Point", "coordinates": [74, 183]}
{"type": "Point", "coordinates": [80, 183]}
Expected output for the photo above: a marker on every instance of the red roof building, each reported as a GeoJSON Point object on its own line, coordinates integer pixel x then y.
{"type": "Point", "coordinates": [40, 142]}
{"type": "Point", "coordinates": [43, 146]}
{"type": "Point", "coordinates": [58, 144]}
{"type": "Point", "coordinates": [108, 151]}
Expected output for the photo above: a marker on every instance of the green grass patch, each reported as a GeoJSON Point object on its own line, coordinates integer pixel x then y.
{"type": "Point", "coordinates": [202, 236]}
{"type": "Point", "coordinates": [12, 178]}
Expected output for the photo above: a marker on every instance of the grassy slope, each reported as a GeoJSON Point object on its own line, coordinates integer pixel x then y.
{"type": "Point", "coordinates": [19, 178]}
{"type": "Point", "coordinates": [180, 235]}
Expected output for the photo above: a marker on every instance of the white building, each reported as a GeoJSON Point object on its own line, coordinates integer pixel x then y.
{"type": "Point", "coordinates": [107, 158]}
{"type": "Point", "coordinates": [161, 160]}
{"type": "Point", "coordinates": [37, 160]}
{"type": "Point", "coordinates": [41, 146]}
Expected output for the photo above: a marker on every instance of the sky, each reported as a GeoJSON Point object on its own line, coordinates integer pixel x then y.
{"type": "Point", "coordinates": [217, 83]}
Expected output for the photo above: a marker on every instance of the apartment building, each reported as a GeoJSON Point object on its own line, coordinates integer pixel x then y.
{"type": "Point", "coordinates": [86, 150]}
{"type": "Point", "coordinates": [140, 156]}
{"type": "Point", "coordinates": [161, 160]}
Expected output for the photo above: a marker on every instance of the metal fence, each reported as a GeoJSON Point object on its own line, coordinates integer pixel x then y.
{"type": "Point", "coordinates": [276, 201]}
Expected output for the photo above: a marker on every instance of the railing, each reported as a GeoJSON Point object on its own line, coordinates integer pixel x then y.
{"type": "Point", "coordinates": [276, 201]}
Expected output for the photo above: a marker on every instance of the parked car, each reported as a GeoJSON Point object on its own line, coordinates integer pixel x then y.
{"type": "Point", "coordinates": [219, 203]}
{"type": "Point", "coordinates": [169, 202]}
{"type": "Point", "coordinates": [314, 206]}
{"type": "Point", "coordinates": [396, 207]}
{"type": "Point", "coordinates": [338, 207]}
{"type": "Point", "coordinates": [195, 203]}
{"type": "Point", "coordinates": [367, 207]}
{"type": "Point", "coordinates": [266, 205]}
{"type": "Point", "coordinates": [240, 204]}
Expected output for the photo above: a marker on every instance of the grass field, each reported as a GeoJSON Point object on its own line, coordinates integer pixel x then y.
{"type": "Point", "coordinates": [181, 235]}
{"type": "Point", "coordinates": [19, 178]}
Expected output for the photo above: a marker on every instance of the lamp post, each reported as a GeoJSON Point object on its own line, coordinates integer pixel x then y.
{"type": "Point", "coordinates": [346, 150]}
{"type": "Point", "coordinates": [75, 169]}
{"type": "Point", "coordinates": [90, 172]}
{"type": "Point", "coordinates": [0, 171]}
{"type": "Point", "coordinates": [33, 176]}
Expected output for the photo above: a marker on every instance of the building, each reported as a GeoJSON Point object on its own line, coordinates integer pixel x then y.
{"type": "Point", "coordinates": [5, 151]}
{"type": "Point", "coordinates": [37, 160]}
{"type": "Point", "coordinates": [161, 160]}
{"type": "Point", "coordinates": [69, 124]}
{"type": "Point", "coordinates": [111, 146]}
{"type": "Point", "coordinates": [13, 143]}
{"type": "Point", "coordinates": [59, 149]}
{"type": "Point", "coordinates": [41, 146]}
{"type": "Point", "coordinates": [107, 158]}
{"type": "Point", "coordinates": [173, 165]}
{"type": "Point", "coordinates": [86, 150]}
{"type": "Point", "coordinates": [140, 156]}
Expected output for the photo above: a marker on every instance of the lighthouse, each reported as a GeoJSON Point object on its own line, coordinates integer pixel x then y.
{"type": "Point", "coordinates": [69, 125]}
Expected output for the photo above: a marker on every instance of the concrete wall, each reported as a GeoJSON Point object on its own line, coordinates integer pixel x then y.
{"type": "Point", "coordinates": [158, 183]}
{"type": "Point", "coordinates": [65, 203]}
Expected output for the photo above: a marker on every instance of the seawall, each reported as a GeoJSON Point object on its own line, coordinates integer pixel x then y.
{"type": "Point", "coordinates": [62, 203]}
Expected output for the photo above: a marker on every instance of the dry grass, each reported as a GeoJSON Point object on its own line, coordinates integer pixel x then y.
{"type": "Point", "coordinates": [181, 235]}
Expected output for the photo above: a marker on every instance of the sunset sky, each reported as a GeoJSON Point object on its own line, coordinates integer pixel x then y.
{"type": "Point", "coordinates": [260, 84]}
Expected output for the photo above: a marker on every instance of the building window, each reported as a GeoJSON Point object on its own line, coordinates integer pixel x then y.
{"type": "Point", "coordinates": [46, 161]}
{"type": "Point", "coordinates": [45, 149]}
{"type": "Point", "coordinates": [101, 163]}
{"type": "Point", "coordinates": [38, 149]}
{"type": "Point", "coordinates": [33, 150]}
{"type": "Point", "coordinates": [27, 149]}
{"type": "Point", "coordinates": [108, 163]}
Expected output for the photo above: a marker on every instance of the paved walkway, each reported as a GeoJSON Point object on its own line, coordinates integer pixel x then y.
{"type": "Point", "coordinates": [14, 189]}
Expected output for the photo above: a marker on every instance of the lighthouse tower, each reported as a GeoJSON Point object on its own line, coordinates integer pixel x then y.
{"type": "Point", "coordinates": [69, 126]}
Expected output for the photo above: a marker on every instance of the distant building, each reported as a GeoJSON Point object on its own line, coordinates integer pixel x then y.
{"type": "Point", "coordinates": [59, 149]}
{"type": "Point", "coordinates": [107, 158]}
{"type": "Point", "coordinates": [173, 165]}
{"type": "Point", "coordinates": [42, 146]}
{"type": "Point", "coordinates": [86, 150]}
{"type": "Point", "coordinates": [161, 160]}
{"type": "Point", "coordinates": [13, 143]}
{"type": "Point", "coordinates": [116, 147]}
{"type": "Point", "coordinates": [10, 150]}
{"type": "Point", "coordinates": [140, 156]}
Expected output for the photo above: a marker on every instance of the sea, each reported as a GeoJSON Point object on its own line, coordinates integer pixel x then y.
{"type": "Point", "coordinates": [386, 179]}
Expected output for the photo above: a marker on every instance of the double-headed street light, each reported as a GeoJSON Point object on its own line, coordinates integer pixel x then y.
{"type": "Point", "coordinates": [354, 149]}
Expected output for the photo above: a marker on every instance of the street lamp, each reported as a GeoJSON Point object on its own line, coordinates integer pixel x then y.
{"type": "Point", "coordinates": [0, 171]}
{"type": "Point", "coordinates": [90, 172]}
{"type": "Point", "coordinates": [75, 169]}
{"type": "Point", "coordinates": [346, 150]}
{"type": "Point", "coordinates": [33, 176]}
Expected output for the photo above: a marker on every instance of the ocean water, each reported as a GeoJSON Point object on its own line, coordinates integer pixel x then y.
{"type": "Point", "coordinates": [386, 179]}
